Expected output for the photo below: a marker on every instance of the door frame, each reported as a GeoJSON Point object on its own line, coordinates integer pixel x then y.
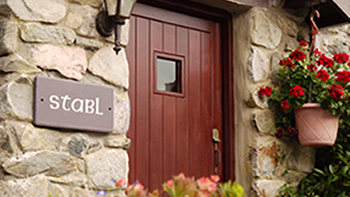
{"type": "Point", "coordinates": [224, 18]}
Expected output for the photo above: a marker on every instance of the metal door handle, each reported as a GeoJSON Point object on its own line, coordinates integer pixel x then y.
{"type": "Point", "coordinates": [216, 140]}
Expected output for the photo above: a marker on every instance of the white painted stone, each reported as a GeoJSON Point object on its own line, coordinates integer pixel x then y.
{"type": "Point", "coordinates": [15, 63]}
{"type": "Point", "coordinates": [70, 62]}
{"type": "Point", "coordinates": [104, 165]}
{"type": "Point", "coordinates": [37, 10]}
{"type": "Point", "coordinates": [36, 32]}
{"type": "Point", "coordinates": [29, 187]}
{"type": "Point", "coordinates": [88, 27]}
{"type": "Point", "coordinates": [268, 188]}
{"type": "Point", "coordinates": [264, 32]}
{"type": "Point", "coordinates": [258, 65]}
{"type": "Point", "coordinates": [44, 162]}
{"type": "Point", "coordinates": [74, 20]}
{"type": "Point", "coordinates": [88, 44]}
{"type": "Point", "coordinates": [17, 99]}
{"type": "Point", "coordinates": [111, 67]}
{"type": "Point", "coordinates": [8, 37]}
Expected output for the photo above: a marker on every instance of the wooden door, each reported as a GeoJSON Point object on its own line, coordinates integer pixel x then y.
{"type": "Point", "coordinates": [171, 128]}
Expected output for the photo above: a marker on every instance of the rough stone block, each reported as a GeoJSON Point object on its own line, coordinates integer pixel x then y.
{"type": "Point", "coordinates": [265, 159]}
{"type": "Point", "coordinates": [258, 65]}
{"type": "Point", "coordinates": [288, 26]}
{"type": "Point", "coordinates": [28, 187]}
{"type": "Point", "coordinates": [35, 32]}
{"type": "Point", "coordinates": [78, 192]}
{"type": "Point", "coordinates": [121, 113]}
{"type": "Point", "coordinates": [93, 3]}
{"type": "Point", "coordinates": [104, 165]}
{"type": "Point", "coordinates": [300, 158]}
{"type": "Point", "coordinates": [33, 139]}
{"type": "Point", "coordinates": [17, 99]}
{"type": "Point", "coordinates": [76, 145]}
{"type": "Point", "coordinates": [88, 43]}
{"type": "Point", "coordinates": [74, 179]}
{"type": "Point", "coordinates": [264, 122]}
{"type": "Point", "coordinates": [259, 101]}
{"type": "Point", "coordinates": [74, 20]}
{"type": "Point", "coordinates": [88, 27]}
{"type": "Point", "coordinates": [268, 188]}
{"type": "Point", "coordinates": [115, 141]}
{"type": "Point", "coordinates": [56, 190]}
{"type": "Point", "coordinates": [8, 37]}
{"type": "Point", "coordinates": [264, 32]}
{"type": "Point", "coordinates": [70, 62]}
{"type": "Point", "coordinates": [45, 162]}
{"type": "Point", "coordinates": [37, 10]}
{"type": "Point", "coordinates": [111, 67]}
{"type": "Point", "coordinates": [15, 63]}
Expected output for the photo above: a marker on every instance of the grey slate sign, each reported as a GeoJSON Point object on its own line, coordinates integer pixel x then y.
{"type": "Point", "coordinates": [69, 104]}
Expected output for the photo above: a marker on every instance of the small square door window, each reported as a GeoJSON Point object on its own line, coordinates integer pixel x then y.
{"type": "Point", "coordinates": [169, 75]}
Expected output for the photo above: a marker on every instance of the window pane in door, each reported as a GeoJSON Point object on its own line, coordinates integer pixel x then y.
{"type": "Point", "coordinates": [169, 75]}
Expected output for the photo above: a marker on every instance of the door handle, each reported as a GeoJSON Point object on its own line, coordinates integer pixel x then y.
{"type": "Point", "coordinates": [216, 140]}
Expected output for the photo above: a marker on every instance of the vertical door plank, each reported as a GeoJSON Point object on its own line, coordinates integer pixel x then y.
{"type": "Point", "coordinates": [194, 95]}
{"type": "Point", "coordinates": [169, 38]}
{"type": "Point", "coordinates": [217, 96]}
{"type": "Point", "coordinates": [142, 103]}
{"type": "Point", "coordinates": [182, 125]}
{"type": "Point", "coordinates": [131, 56]}
{"type": "Point", "coordinates": [156, 116]}
{"type": "Point", "coordinates": [207, 113]}
{"type": "Point", "coordinates": [169, 132]}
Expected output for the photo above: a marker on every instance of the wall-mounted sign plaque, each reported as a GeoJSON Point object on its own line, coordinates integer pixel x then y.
{"type": "Point", "coordinates": [72, 105]}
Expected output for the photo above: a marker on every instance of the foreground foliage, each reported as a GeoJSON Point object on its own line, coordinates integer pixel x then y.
{"type": "Point", "coordinates": [182, 186]}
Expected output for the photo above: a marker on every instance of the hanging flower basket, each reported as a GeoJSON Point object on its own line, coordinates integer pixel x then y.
{"type": "Point", "coordinates": [305, 78]}
{"type": "Point", "coordinates": [317, 127]}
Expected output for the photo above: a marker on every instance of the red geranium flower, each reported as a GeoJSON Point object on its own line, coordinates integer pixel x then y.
{"type": "Point", "coordinates": [343, 76]}
{"type": "Point", "coordinates": [303, 43]}
{"type": "Point", "coordinates": [285, 105]}
{"type": "Point", "coordinates": [325, 61]}
{"type": "Point", "coordinates": [323, 75]}
{"type": "Point", "coordinates": [296, 91]}
{"type": "Point", "coordinates": [341, 57]}
{"type": "Point", "coordinates": [297, 55]}
{"type": "Point", "coordinates": [265, 91]}
{"type": "Point", "coordinates": [287, 62]}
{"type": "Point", "coordinates": [317, 52]}
{"type": "Point", "coordinates": [336, 91]}
{"type": "Point", "coordinates": [312, 67]}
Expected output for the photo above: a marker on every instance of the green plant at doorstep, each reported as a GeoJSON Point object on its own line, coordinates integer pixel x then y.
{"type": "Point", "coordinates": [182, 186]}
{"type": "Point", "coordinates": [306, 77]}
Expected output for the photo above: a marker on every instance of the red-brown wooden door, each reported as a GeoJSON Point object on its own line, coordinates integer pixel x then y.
{"type": "Point", "coordinates": [171, 132]}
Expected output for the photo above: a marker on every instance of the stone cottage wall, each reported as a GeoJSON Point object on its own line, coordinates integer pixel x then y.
{"type": "Point", "coordinates": [57, 38]}
{"type": "Point", "coordinates": [264, 163]}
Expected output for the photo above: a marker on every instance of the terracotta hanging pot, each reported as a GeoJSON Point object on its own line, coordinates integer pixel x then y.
{"type": "Point", "coordinates": [317, 127]}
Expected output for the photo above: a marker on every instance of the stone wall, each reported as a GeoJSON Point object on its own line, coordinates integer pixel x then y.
{"type": "Point", "coordinates": [57, 38]}
{"type": "Point", "coordinates": [264, 163]}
